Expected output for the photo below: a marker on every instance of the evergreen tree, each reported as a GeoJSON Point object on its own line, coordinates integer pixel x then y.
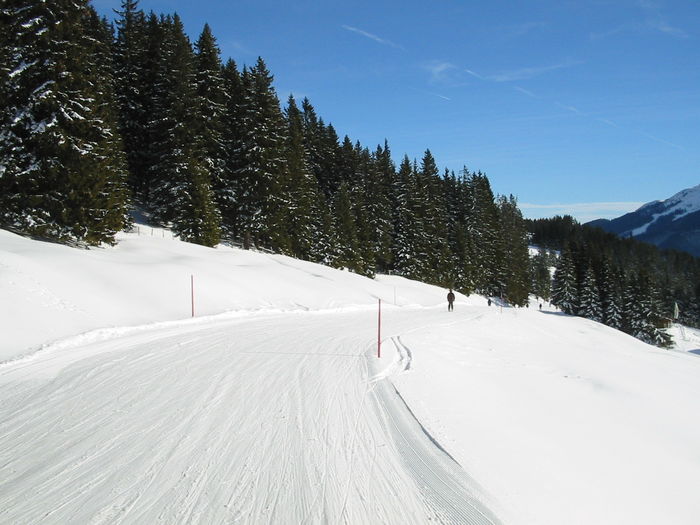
{"type": "Point", "coordinates": [212, 98]}
{"type": "Point", "coordinates": [181, 192]}
{"type": "Point", "coordinates": [541, 279]}
{"type": "Point", "coordinates": [589, 302]}
{"type": "Point", "coordinates": [304, 222]}
{"type": "Point", "coordinates": [610, 296]}
{"type": "Point", "coordinates": [347, 254]}
{"type": "Point", "coordinates": [405, 255]}
{"type": "Point", "coordinates": [433, 242]}
{"type": "Point", "coordinates": [379, 201]}
{"type": "Point", "coordinates": [62, 174]}
{"type": "Point", "coordinates": [261, 162]}
{"type": "Point", "coordinates": [516, 257]}
{"type": "Point", "coordinates": [225, 186]}
{"type": "Point", "coordinates": [132, 86]}
{"type": "Point", "coordinates": [483, 224]}
{"type": "Point", "coordinates": [564, 292]}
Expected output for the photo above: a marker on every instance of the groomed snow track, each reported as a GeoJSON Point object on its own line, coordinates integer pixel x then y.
{"type": "Point", "coordinates": [271, 418]}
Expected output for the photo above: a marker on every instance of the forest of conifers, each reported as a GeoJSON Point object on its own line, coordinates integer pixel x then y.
{"type": "Point", "coordinates": [100, 118]}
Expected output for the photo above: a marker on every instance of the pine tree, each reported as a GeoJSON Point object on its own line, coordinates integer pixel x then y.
{"type": "Point", "coordinates": [348, 246]}
{"type": "Point", "coordinates": [516, 257]}
{"type": "Point", "coordinates": [541, 278]}
{"type": "Point", "coordinates": [483, 224]}
{"type": "Point", "coordinates": [589, 302]}
{"type": "Point", "coordinates": [225, 186]}
{"type": "Point", "coordinates": [261, 161]}
{"type": "Point", "coordinates": [212, 98]}
{"type": "Point", "coordinates": [610, 295]}
{"type": "Point", "coordinates": [378, 190]}
{"type": "Point", "coordinates": [63, 176]}
{"type": "Point", "coordinates": [564, 292]}
{"type": "Point", "coordinates": [304, 222]}
{"type": "Point", "coordinates": [404, 248]}
{"type": "Point", "coordinates": [433, 244]}
{"type": "Point", "coordinates": [181, 192]}
{"type": "Point", "coordinates": [133, 87]}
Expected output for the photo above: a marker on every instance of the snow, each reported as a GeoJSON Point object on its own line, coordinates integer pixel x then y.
{"type": "Point", "coordinates": [271, 405]}
{"type": "Point", "coordinates": [678, 206]}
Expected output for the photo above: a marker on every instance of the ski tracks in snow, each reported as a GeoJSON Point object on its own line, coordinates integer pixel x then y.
{"type": "Point", "coordinates": [275, 419]}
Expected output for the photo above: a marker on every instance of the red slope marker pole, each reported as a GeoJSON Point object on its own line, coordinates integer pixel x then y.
{"type": "Point", "coordinates": [192, 289]}
{"type": "Point", "coordinates": [379, 330]}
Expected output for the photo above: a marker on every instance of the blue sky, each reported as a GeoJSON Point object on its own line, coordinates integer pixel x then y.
{"type": "Point", "coordinates": [590, 108]}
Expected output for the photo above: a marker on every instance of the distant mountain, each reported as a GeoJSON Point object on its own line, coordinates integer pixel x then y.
{"type": "Point", "coordinates": [673, 223]}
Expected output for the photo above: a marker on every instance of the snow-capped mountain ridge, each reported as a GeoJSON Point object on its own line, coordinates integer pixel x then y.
{"type": "Point", "coordinates": [673, 223]}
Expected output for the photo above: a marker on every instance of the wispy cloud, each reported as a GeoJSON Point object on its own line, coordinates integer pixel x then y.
{"type": "Point", "coordinates": [474, 74]}
{"type": "Point", "coordinates": [573, 109]}
{"type": "Point", "coordinates": [582, 211]}
{"type": "Point", "coordinates": [657, 22]}
{"type": "Point", "coordinates": [439, 70]}
{"type": "Point", "coordinates": [519, 30]}
{"type": "Point", "coordinates": [664, 27]}
{"type": "Point", "coordinates": [528, 72]}
{"type": "Point", "coordinates": [651, 20]}
{"type": "Point", "coordinates": [662, 141]}
{"type": "Point", "coordinates": [525, 91]}
{"type": "Point", "coordinates": [431, 93]}
{"type": "Point", "coordinates": [371, 36]}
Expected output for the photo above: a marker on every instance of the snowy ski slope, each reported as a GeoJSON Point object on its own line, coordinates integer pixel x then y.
{"type": "Point", "coordinates": [271, 407]}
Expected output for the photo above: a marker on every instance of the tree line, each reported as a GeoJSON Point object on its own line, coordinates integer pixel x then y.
{"type": "Point", "coordinates": [103, 116]}
{"type": "Point", "coordinates": [629, 285]}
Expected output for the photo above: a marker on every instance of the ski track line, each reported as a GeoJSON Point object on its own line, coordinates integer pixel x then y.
{"type": "Point", "coordinates": [272, 420]}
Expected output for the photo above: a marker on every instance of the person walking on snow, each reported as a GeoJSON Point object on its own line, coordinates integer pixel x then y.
{"type": "Point", "coordinates": [450, 300]}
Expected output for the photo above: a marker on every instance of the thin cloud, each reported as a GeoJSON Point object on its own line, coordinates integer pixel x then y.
{"type": "Point", "coordinates": [656, 21]}
{"type": "Point", "coordinates": [568, 107]}
{"type": "Point", "coordinates": [528, 72]}
{"type": "Point", "coordinates": [477, 75]}
{"type": "Point", "coordinates": [521, 29]}
{"type": "Point", "coordinates": [664, 27]}
{"type": "Point", "coordinates": [440, 71]}
{"type": "Point", "coordinates": [608, 122]}
{"type": "Point", "coordinates": [432, 94]}
{"type": "Point", "coordinates": [440, 96]}
{"type": "Point", "coordinates": [376, 38]}
{"type": "Point", "coordinates": [445, 73]}
{"type": "Point", "coordinates": [525, 91]}
{"type": "Point", "coordinates": [662, 141]}
{"type": "Point", "coordinates": [582, 211]}
{"type": "Point", "coordinates": [573, 109]}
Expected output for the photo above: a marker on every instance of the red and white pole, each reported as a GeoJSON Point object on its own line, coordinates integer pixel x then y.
{"type": "Point", "coordinates": [192, 290]}
{"type": "Point", "coordinates": [379, 330]}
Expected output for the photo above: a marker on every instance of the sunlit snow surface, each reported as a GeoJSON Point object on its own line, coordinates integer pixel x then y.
{"type": "Point", "coordinates": [271, 406]}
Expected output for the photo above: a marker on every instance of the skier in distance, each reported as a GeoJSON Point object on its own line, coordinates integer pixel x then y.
{"type": "Point", "coordinates": [450, 300]}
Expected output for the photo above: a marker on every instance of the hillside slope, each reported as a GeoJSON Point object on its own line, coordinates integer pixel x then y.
{"type": "Point", "coordinates": [272, 406]}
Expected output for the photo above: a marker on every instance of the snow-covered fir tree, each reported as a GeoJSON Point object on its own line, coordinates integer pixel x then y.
{"type": "Point", "coordinates": [540, 276]}
{"type": "Point", "coordinates": [225, 185]}
{"type": "Point", "coordinates": [133, 85]}
{"type": "Point", "coordinates": [62, 175]}
{"type": "Point", "coordinates": [211, 95]}
{"type": "Point", "coordinates": [564, 291]}
{"type": "Point", "coordinates": [304, 219]}
{"type": "Point", "coordinates": [515, 254]}
{"type": "Point", "coordinates": [181, 192]}
{"type": "Point", "coordinates": [260, 160]}
{"type": "Point", "coordinates": [589, 298]}
{"type": "Point", "coordinates": [405, 255]}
